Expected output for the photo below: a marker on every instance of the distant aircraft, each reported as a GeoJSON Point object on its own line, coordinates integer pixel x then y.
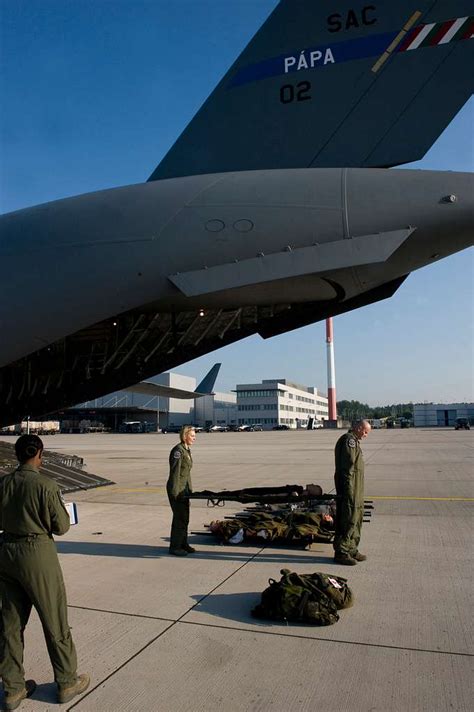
{"type": "Point", "coordinates": [148, 388]}
{"type": "Point", "coordinates": [273, 209]}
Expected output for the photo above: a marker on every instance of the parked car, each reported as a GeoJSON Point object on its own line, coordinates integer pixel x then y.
{"type": "Point", "coordinates": [462, 424]}
{"type": "Point", "coordinates": [281, 427]}
{"type": "Point", "coordinates": [217, 429]}
{"type": "Point", "coordinates": [171, 429]}
{"type": "Point", "coordinates": [255, 428]}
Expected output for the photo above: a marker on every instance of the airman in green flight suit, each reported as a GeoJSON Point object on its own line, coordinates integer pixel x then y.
{"type": "Point", "coordinates": [349, 480]}
{"type": "Point", "coordinates": [179, 484]}
{"type": "Point", "coordinates": [31, 511]}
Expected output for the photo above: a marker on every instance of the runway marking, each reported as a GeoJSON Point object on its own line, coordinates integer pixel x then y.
{"type": "Point", "coordinates": [425, 499]}
{"type": "Point", "coordinates": [131, 490]}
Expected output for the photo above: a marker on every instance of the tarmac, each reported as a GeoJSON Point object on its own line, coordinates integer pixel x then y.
{"type": "Point", "coordinates": [164, 634]}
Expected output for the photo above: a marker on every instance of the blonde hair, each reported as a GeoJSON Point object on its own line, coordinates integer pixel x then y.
{"type": "Point", "coordinates": [184, 431]}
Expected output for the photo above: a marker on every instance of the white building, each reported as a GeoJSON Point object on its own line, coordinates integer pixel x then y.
{"type": "Point", "coordinates": [218, 409]}
{"type": "Point", "coordinates": [440, 414]}
{"type": "Point", "coordinates": [279, 402]}
{"type": "Point", "coordinates": [173, 411]}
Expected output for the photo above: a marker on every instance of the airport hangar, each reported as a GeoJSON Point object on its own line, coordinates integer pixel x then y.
{"type": "Point", "coordinates": [441, 414]}
{"type": "Point", "coordinates": [270, 403]}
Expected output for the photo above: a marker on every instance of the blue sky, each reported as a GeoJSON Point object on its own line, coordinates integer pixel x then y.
{"type": "Point", "coordinates": [93, 95]}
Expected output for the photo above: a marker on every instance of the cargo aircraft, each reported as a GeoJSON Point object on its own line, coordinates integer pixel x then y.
{"type": "Point", "coordinates": [274, 209]}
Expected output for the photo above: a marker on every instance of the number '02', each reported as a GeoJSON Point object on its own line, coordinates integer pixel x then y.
{"type": "Point", "coordinates": [298, 92]}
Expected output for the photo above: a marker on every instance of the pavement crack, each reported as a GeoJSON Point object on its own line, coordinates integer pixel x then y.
{"type": "Point", "coordinates": [156, 637]}
{"type": "Point", "coordinates": [122, 613]}
{"type": "Point", "coordinates": [203, 598]}
{"type": "Point", "coordinates": [120, 667]}
{"type": "Point", "coordinates": [327, 640]}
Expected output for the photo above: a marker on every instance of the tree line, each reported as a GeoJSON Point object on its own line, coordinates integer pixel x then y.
{"type": "Point", "coordinates": [355, 410]}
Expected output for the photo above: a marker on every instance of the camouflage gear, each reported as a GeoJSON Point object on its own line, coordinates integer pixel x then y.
{"type": "Point", "coordinates": [349, 480]}
{"type": "Point", "coordinates": [179, 484]}
{"type": "Point", "coordinates": [31, 511]}
{"type": "Point", "coordinates": [307, 598]}
{"type": "Point", "coordinates": [289, 526]}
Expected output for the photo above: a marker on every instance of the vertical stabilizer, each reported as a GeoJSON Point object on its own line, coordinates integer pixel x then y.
{"type": "Point", "coordinates": [334, 84]}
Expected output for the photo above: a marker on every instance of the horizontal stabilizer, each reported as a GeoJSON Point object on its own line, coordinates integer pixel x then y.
{"type": "Point", "coordinates": [148, 388]}
{"type": "Point", "coordinates": [317, 259]}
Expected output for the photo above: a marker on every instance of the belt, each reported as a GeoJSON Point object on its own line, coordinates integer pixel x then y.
{"type": "Point", "coordinates": [9, 538]}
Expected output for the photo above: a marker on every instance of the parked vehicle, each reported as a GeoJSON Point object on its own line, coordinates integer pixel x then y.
{"type": "Point", "coordinates": [281, 427]}
{"type": "Point", "coordinates": [462, 424]}
{"type": "Point", "coordinates": [131, 426]}
{"type": "Point", "coordinates": [314, 424]}
{"type": "Point", "coordinates": [171, 429]}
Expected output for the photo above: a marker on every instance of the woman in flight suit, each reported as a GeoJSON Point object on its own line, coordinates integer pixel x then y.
{"type": "Point", "coordinates": [178, 485]}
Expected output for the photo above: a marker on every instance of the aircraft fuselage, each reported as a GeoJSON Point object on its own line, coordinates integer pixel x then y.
{"type": "Point", "coordinates": [221, 241]}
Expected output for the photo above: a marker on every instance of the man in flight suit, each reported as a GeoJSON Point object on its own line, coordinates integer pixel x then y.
{"type": "Point", "coordinates": [349, 479]}
{"type": "Point", "coordinates": [31, 511]}
{"type": "Point", "coordinates": [179, 484]}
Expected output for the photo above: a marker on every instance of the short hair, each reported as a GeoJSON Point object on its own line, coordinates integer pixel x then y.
{"type": "Point", "coordinates": [184, 431]}
{"type": "Point", "coordinates": [27, 447]}
{"type": "Point", "coordinates": [360, 423]}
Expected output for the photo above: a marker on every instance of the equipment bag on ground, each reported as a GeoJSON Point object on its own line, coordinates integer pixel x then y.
{"type": "Point", "coordinates": [304, 598]}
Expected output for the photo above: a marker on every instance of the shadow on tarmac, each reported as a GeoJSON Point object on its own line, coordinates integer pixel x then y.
{"type": "Point", "coordinates": [45, 692]}
{"type": "Point", "coordinates": [141, 551]}
{"type": "Point", "coordinates": [231, 606]}
{"type": "Point", "coordinates": [237, 607]}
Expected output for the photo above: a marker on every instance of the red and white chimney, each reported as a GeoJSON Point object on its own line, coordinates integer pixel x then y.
{"type": "Point", "coordinates": [331, 370]}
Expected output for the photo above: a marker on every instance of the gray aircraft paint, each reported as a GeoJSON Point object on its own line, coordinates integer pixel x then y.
{"type": "Point", "coordinates": [137, 234]}
{"type": "Point", "coordinates": [350, 115]}
{"type": "Point", "coordinates": [122, 284]}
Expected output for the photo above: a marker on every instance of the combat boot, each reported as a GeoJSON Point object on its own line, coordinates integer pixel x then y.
{"type": "Point", "coordinates": [190, 549]}
{"type": "Point", "coordinates": [344, 559]}
{"type": "Point", "coordinates": [14, 701]}
{"type": "Point", "coordinates": [359, 557]}
{"type": "Point", "coordinates": [66, 694]}
{"type": "Point", "coordinates": [178, 552]}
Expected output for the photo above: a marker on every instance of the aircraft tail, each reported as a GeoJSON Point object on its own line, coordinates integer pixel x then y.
{"type": "Point", "coordinates": [208, 382]}
{"type": "Point", "coordinates": [370, 86]}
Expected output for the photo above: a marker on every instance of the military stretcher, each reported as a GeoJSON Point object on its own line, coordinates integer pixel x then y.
{"type": "Point", "coordinates": [264, 495]}
{"type": "Point", "coordinates": [286, 514]}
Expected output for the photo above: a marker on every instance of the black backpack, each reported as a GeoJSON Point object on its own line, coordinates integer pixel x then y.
{"type": "Point", "coordinates": [304, 598]}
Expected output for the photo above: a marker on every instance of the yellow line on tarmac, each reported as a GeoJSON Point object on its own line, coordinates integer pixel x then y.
{"type": "Point", "coordinates": [428, 499]}
{"type": "Point", "coordinates": [131, 490]}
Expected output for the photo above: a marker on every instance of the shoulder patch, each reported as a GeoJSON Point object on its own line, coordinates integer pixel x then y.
{"type": "Point", "coordinates": [177, 454]}
{"type": "Point", "coordinates": [351, 442]}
